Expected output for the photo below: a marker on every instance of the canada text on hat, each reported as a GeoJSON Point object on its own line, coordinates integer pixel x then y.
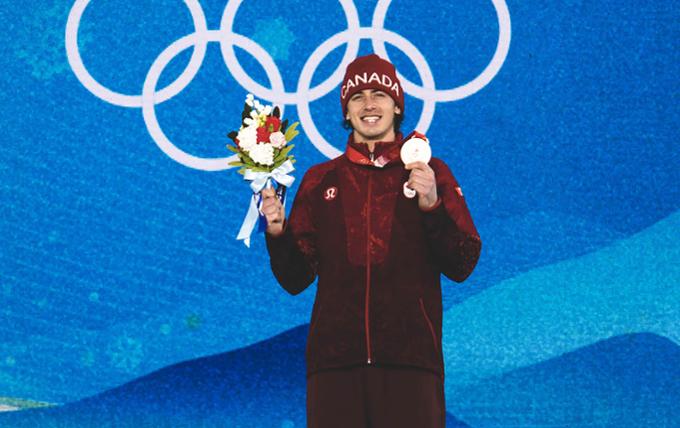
{"type": "Point", "coordinates": [359, 78]}
{"type": "Point", "coordinates": [371, 72]}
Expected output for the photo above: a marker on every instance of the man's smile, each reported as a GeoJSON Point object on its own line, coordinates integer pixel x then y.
{"type": "Point", "coordinates": [370, 119]}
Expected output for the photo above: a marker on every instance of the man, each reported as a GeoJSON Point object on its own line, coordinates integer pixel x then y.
{"type": "Point", "coordinates": [374, 355]}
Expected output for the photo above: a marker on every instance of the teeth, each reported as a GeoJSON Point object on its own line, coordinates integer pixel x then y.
{"type": "Point", "coordinates": [371, 119]}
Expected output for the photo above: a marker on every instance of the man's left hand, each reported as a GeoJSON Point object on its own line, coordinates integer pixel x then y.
{"type": "Point", "coordinates": [423, 181]}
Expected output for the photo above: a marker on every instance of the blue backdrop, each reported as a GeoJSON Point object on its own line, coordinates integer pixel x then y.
{"type": "Point", "coordinates": [127, 300]}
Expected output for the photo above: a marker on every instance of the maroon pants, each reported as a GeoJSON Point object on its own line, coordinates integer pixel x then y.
{"type": "Point", "coordinates": [375, 397]}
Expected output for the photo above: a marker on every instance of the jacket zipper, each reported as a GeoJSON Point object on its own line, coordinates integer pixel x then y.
{"type": "Point", "coordinates": [429, 324]}
{"type": "Point", "coordinates": [368, 267]}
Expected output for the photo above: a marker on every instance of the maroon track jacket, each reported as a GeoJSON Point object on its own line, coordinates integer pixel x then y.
{"type": "Point", "coordinates": [378, 258]}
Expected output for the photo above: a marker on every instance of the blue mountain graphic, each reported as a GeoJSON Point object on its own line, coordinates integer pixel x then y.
{"type": "Point", "coordinates": [632, 380]}
{"type": "Point", "coordinates": [517, 244]}
{"type": "Point", "coordinates": [262, 385]}
{"type": "Point", "coordinates": [629, 286]}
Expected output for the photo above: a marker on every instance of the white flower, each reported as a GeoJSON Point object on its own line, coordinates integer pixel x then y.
{"type": "Point", "coordinates": [267, 110]}
{"type": "Point", "coordinates": [249, 99]}
{"type": "Point", "coordinates": [277, 139]}
{"type": "Point", "coordinates": [262, 154]}
{"type": "Point", "coordinates": [247, 137]}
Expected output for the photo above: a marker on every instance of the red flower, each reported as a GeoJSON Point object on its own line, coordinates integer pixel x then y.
{"type": "Point", "coordinates": [272, 124]}
{"type": "Point", "coordinates": [263, 134]}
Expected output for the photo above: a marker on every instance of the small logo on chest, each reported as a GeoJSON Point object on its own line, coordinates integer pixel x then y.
{"type": "Point", "coordinates": [330, 193]}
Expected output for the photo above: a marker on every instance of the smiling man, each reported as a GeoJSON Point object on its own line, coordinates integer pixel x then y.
{"type": "Point", "coordinates": [371, 113]}
{"type": "Point", "coordinates": [374, 347]}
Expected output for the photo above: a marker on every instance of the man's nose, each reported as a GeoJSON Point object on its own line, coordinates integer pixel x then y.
{"type": "Point", "coordinates": [369, 104]}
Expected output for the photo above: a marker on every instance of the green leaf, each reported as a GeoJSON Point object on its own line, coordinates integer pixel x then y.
{"type": "Point", "coordinates": [287, 149]}
{"type": "Point", "coordinates": [247, 159]}
{"type": "Point", "coordinates": [258, 168]}
{"type": "Point", "coordinates": [291, 132]}
{"type": "Point", "coordinates": [233, 149]}
{"type": "Point", "coordinates": [281, 156]}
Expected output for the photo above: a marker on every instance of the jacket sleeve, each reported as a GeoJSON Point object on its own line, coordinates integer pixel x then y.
{"type": "Point", "coordinates": [293, 254]}
{"type": "Point", "coordinates": [452, 237]}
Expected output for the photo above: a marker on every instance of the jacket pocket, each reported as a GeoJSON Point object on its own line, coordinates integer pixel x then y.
{"type": "Point", "coordinates": [429, 324]}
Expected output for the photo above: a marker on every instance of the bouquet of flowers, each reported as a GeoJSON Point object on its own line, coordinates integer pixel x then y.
{"type": "Point", "coordinates": [261, 145]}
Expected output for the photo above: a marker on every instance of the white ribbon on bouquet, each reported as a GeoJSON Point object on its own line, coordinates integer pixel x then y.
{"type": "Point", "coordinates": [260, 180]}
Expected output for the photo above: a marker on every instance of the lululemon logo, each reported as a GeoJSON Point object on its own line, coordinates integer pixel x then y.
{"type": "Point", "coordinates": [330, 193]}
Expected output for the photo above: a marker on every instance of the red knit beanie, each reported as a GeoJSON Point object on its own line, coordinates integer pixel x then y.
{"type": "Point", "coordinates": [371, 72]}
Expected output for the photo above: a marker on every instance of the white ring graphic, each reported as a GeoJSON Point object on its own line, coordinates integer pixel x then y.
{"type": "Point", "coordinates": [122, 100]}
{"type": "Point", "coordinates": [280, 96]}
{"type": "Point", "coordinates": [303, 95]}
{"type": "Point", "coordinates": [362, 33]}
{"type": "Point", "coordinates": [148, 91]}
{"type": "Point", "coordinates": [463, 91]}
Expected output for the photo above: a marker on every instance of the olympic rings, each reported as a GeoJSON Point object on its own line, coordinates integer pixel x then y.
{"type": "Point", "coordinates": [328, 46]}
{"type": "Point", "coordinates": [304, 93]}
{"type": "Point", "coordinates": [467, 89]}
{"type": "Point", "coordinates": [122, 100]}
{"type": "Point", "coordinates": [148, 91]}
{"type": "Point", "coordinates": [281, 96]}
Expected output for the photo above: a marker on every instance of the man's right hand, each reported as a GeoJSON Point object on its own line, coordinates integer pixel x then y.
{"type": "Point", "coordinates": [273, 211]}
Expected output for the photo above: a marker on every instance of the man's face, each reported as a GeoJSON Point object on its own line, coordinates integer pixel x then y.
{"type": "Point", "coordinates": [371, 112]}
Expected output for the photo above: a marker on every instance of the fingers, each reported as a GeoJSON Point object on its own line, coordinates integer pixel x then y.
{"type": "Point", "coordinates": [417, 166]}
{"type": "Point", "coordinates": [422, 178]}
{"type": "Point", "coordinates": [272, 214]}
{"type": "Point", "coordinates": [418, 175]}
{"type": "Point", "coordinates": [269, 197]}
{"type": "Point", "coordinates": [271, 205]}
{"type": "Point", "coordinates": [268, 193]}
{"type": "Point", "coordinates": [422, 174]}
{"type": "Point", "coordinates": [420, 181]}
{"type": "Point", "coordinates": [271, 201]}
{"type": "Point", "coordinates": [420, 188]}
{"type": "Point", "coordinates": [271, 208]}
{"type": "Point", "coordinates": [420, 171]}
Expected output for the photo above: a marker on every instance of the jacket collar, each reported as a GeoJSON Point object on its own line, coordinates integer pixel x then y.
{"type": "Point", "coordinates": [384, 152]}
